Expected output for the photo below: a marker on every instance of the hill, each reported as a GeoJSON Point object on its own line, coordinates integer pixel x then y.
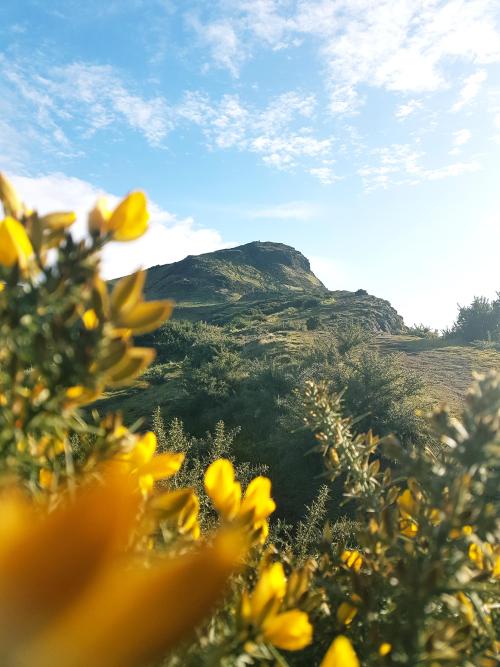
{"type": "Point", "coordinates": [251, 325]}
{"type": "Point", "coordinates": [250, 271]}
{"type": "Point", "coordinates": [265, 281]}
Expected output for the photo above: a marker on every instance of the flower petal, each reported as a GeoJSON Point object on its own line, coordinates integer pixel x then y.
{"type": "Point", "coordinates": [340, 654]}
{"type": "Point", "coordinates": [290, 630]}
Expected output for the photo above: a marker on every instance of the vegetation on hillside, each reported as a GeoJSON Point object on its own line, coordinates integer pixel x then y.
{"type": "Point", "coordinates": [480, 321]}
{"type": "Point", "coordinates": [122, 548]}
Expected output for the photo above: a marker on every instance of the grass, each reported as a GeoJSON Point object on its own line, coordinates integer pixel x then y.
{"type": "Point", "coordinates": [446, 367]}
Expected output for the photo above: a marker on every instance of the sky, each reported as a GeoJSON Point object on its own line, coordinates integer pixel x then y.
{"type": "Point", "coordinates": [364, 133]}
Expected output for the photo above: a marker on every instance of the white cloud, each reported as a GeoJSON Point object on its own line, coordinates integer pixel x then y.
{"type": "Point", "coordinates": [220, 37]}
{"type": "Point", "coordinates": [456, 169]}
{"type": "Point", "coordinates": [276, 132]}
{"type": "Point", "coordinates": [325, 175]}
{"type": "Point", "coordinates": [402, 164]}
{"type": "Point", "coordinates": [471, 87]}
{"type": "Point", "coordinates": [168, 239]}
{"type": "Point", "coordinates": [85, 98]}
{"type": "Point", "coordinates": [461, 137]}
{"type": "Point", "coordinates": [404, 46]}
{"type": "Point", "coordinates": [405, 110]}
{"type": "Point", "coordinates": [293, 210]}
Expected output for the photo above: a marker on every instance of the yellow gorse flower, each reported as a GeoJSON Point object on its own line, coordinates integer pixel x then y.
{"type": "Point", "coordinates": [15, 245]}
{"type": "Point", "coordinates": [347, 611]}
{"type": "Point", "coordinates": [340, 654]}
{"type": "Point", "coordinates": [352, 559]}
{"type": "Point", "coordinates": [286, 629]}
{"type": "Point", "coordinates": [67, 584]}
{"type": "Point", "coordinates": [223, 489]}
{"type": "Point", "coordinates": [128, 221]}
{"type": "Point", "coordinates": [147, 466]}
{"type": "Point", "coordinates": [290, 630]}
{"type": "Point", "coordinates": [408, 509]}
{"type": "Point", "coordinates": [225, 493]}
{"type": "Point", "coordinates": [180, 507]}
{"type": "Point", "coordinates": [8, 196]}
{"type": "Point", "coordinates": [485, 557]}
{"type": "Point", "coordinates": [384, 649]}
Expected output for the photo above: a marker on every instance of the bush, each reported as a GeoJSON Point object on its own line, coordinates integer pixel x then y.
{"type": "Point", "coordinates": [422, 331]}
{"type": "Point", "coordinates": [478, 321]}
{"type": "Point", "coordinates": [313, 323]}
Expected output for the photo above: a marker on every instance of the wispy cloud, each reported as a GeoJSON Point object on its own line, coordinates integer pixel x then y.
{"type": "Point", "coordinates": [277, 133]}
{"type": "Point", "coordinates": [325, 175]}
{"type": "Point", "coordinates": [403, 164]}
{"type": "Point", "coordinates": [222, 41]}
{"type": "Point", "coordinates": [404, 46]}
{"type": "Point", "coordinates": [461, 137]}
{"type": "Point", "coordinates": [60, 102]}
{"type": "Point", "coordinates": [471, 87]}
{"type": "Point", "coordinates": [405, 110]}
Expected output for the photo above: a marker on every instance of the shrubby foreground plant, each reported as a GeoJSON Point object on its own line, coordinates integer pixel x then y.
{"type": "Point", "coordinates": [113, 552]}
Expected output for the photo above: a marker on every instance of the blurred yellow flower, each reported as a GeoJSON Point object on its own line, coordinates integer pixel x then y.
{"type": "Point", "coordinates": [384, 649]}
{"type": "Point", "coordinates": [149, 467]}
{"type": "Point", "coordinates": [478, 555]}
{"type": "Point", "coordinates": [408, 509]}
{"type": "Point", "coordinates": [71, 596]}
{"type": "Point", "coordinates": [347, 611]}
{"type": "Point", "coordinates": [290, 630]}
{"type": "Point", "coordinates": [340, 654]}
{"type": "Point", "coordinates": [46, 478]}
{"type": "Point", "coordinates": [225, 493]}
{"type": "Point", "coordinates": [127, 222]}
{"type": "Point", "coordinates": [352, 559]}
{"type": "Point", "coordinates": [287, 629]}
{"type": "Point", "coordinates": [268, 593]}
{"type": "Point", "coordinates": [90, 319]}
{"type": "Point", "coordinates": [180, 506]}
{"type": "Point", "coordinates": [466, 606]}
{"type": "Point", "coordinates": [58, 221]}
{"type": "Point", "coordinates": [15, 245]}
{"type": "Point", "coordinates": [257, 501]}
{"type": "Point", "coordinates": [222, 488]}
{"type": "Point", "coordinates": [11, 203]}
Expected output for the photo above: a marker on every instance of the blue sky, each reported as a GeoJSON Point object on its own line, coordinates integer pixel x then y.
{"type": "Point", "coordinates": [365, 133]}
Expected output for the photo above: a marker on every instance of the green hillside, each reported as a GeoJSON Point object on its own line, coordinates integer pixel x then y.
{"type": "Point", "coordinates": [251, 325]}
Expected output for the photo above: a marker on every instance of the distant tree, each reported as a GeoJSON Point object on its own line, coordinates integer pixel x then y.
{"type": "Point", "coordinates": [479, 321]}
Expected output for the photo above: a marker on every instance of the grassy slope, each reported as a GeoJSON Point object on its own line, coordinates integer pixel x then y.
{"type": "Point", "coordinates": [446, 368]}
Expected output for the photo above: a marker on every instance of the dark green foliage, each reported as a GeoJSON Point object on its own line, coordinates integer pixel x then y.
{"type": "Point", "coordinates": [422, 331]}
{"type": "Point", "coordinates": [351, 336]}
{"type": "Point", "coordinates": [478, 321]}
{"type": "Point", "coordinates": [313, 322]}
{"type": "Point", "coordinates": [177, 339]}
{"type": "Point", "coordinates": [383, 390]}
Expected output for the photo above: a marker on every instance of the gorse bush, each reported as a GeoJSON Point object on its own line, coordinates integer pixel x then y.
{"type": "Point", "coordinates": [100, 565]}
{"type": "Point", "coordinates": [122, 548]}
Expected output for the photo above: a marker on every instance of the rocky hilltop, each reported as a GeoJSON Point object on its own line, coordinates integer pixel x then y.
{"type": "Point", "coordinates": [271, 282]}
{"type": "Point", "coordinates": [248, 271]}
